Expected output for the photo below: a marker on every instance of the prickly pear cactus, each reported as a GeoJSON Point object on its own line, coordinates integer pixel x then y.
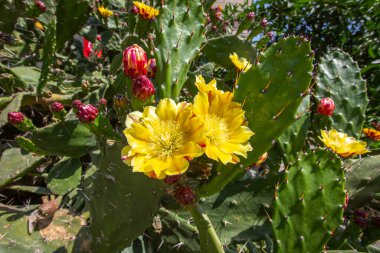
{"type": "Point", "coordinates": [339, 78]}
{"type": "Point", "coordinates": [179, 31]}
{"type": "Point", "coordinates": [48, 54]}
{"type": "Point", "coordinates": [271, 92]}
{"type": "Point", "coordinates": [363, 180]}
{"type": "Point", "coordinates": [118, 202]}
{"type": "Point", "coordinates": [309, 203]}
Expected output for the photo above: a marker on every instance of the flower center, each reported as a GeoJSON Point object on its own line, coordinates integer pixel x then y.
{"type": "Point", "coordinates": [215, 129]}
{"type": "Point", "coordinates": [167, 140]}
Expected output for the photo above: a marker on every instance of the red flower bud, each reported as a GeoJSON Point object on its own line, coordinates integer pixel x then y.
{"type": "Point", "coordinates": [56, 107]}
{"type": "Point", "coordinates": [41, 5]}
{"type": "Point", "coordinates": [151, 68]}
{"type": "Point", "coordinates": [326, 106]}
{"type": "Point", "coordinates": [251, 15]}
{"type": "Point", "coordinates": [134, 10]}
{"type": "Point", "coordinates": [142, 88]}
{"type": "Point", "coordinates": [135, 61]}
{"type": "Point", "coordinates": [103, 101]}
{"type": "Point", "coordinates": [264, 23]}
{"type": "Point", "coordinates": [185, 195]}
{"type": "Point", "coordinates": [77, 103]}
{"type": "Point", "coordinates": [172, 179]}
{"type": "Point", "coordinates": [270, 34]}
{"type": "Point", "coordinates": [219, 15]}
{"type": "Point", "coordinates": [87, 113]}
{"type": "Point", "coordinates": [214, 28]}
{"type": "Point", "coordinates": [15, 117]}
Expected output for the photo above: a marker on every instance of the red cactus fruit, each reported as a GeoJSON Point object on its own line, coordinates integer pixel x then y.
{"type": "Point", "coordinates": [56, 107]}
{"type": "Point", "coordinates": [87, 113]}
{"type": "Point", "coordinates": [143, 88]}
{"type": "Point", "coordinates": [134, 61]}
{"type": "Point", "coordinates": [15, 117]}
{"type": "Point", "coordinates": [326, 106]}
{"type": "Point", "coordinates": [185, 195]}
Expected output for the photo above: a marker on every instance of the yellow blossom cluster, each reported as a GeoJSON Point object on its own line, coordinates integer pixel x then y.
{"type": "Point", "coordinates": [104, 12]}
{"type": "Point", "coordinates": [241, 63]}
{"type": "Point", "coordinates": [163, 139]}
{"type": "Point", "coordinates": [146, 11]}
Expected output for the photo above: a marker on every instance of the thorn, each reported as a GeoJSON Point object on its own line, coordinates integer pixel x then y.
{"type": "Point", "coordinates": [280, 112]}
{"type": "Point", "coordinates": [302, 197]}
{"type": "Point", "coordinates": [266, 87]}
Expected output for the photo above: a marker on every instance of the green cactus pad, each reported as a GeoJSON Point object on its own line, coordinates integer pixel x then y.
{"type": "Point", "coordinates": [219, 49]}
{"type": "Point", "coordinates": [363, 180]}
{"type": "Point", "coordinates": [292, 140]}
{"type": "Point", "coordinates": [15, 162]}
{"type": "Point", "coordinates": [65, 175]}
{"type": "Point", "coordinates": [308, 204]}
{"type": "Point", "coordinates": [179, 30]}
{"type": "Point", "coordinates": [339, 78]}
{"type": "Point", "coordinates": [66, 138]}
{"type": "Point", "coordinates": [240, 211]}
{"type": "Point", "coordinates": [122, 203]}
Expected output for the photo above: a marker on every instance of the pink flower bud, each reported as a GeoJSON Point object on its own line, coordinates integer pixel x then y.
{"type": "Point", "coordinates": [151, 68]}
{"type": "Point", "coordinates": [87, 113]}
{"type": "Point", "coordinates": [185, 195]}
{"type": "Point", "coordinates": [15, 117]}
{"type": "Point", "coordinates": [326, 106]}
{"type": "Point", "coordinates": [135, 61]}
{"type": "Point", "coordinates": [134, 10]}
{"type": "Point", "coordinates": [143, 88]}
{"type": "Point", "coordinates": [76, 104]}
{"type": "Point", "coordinates": [264, 23]}
{"type": "Point", "coordinates": [56, 107]}
{"type": "Point", "coordinates": [103, 101]}
{"type": "Point", "coordinates": [41, 5]}
{"type": "Point", "coordinates": [270, 34]}
{"type": "Point", "coordinates": [251, 15]}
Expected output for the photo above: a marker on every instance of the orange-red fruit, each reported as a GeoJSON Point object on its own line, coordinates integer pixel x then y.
{"type": "Point", "coordinates": [143, 88]}
{"type": "Point", "coordinates": [134, 61]}
{"type": "Point", "coordinates": [326, 106]}
{"type": "Point", "coordinates": [185, 195]}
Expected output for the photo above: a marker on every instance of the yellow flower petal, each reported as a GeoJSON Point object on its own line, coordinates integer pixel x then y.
{"type": "Point", "coordinates": [372, 134]}
{"type": "Point", "coordinates": [240, 63]}
{"type": "Point", "coordinates": [146, 11]}
{"type": "Point", "coordinates": [343, 145]}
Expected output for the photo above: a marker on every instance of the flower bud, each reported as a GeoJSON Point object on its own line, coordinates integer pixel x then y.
{"type": "Point", "coordinates": [41, 5]}
{"type": "Point", "coordinates": [185, 195]}
{"type": "Point", "coordinates": [135, 61]}
{"type": "Point", "coordinates": [270, 34]}
{"type": "Point", "coordinates": [103, 101]}
{"type": "Point", "coordinates": [264, 23]}
{"type": "Point", "coordinates": [214, 28]}
{"type": "Point", "coordinates": [142, 88]}
{"type": "Point", "coordinates": [251, 15]}
{"type": "Point", "coordinates": [151, 68]}
{"type": "Point", "coordinates": [326, 106]}
{"type": "Point", "coordinates": [219, 15]}
{"type": "Point", "coordinates": [77, 103]}
{"type": "Point", "coordinates": [15, 117]}
{"type": "Point", "coordinates": [56, 107]}
{"type": "Point", "coordinates": [134, 10]}
{"type": "Point", "coordinates": [172, 179]}
{"type": "Point", "coordinates": [87, 113]}
{"type": "Point", "coordinates": [120, 102]}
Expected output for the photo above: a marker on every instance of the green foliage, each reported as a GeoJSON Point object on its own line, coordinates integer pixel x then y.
{"type": "Point", "coordinates": [15, 162]}
{"type": "Point", "coordinates": [13, 106]}
{"type": "Point", "coordinates": [118, 202]}
{"type": "Point", "coordinates": [179, 31]}
{"type": "Point", "coordinates": [48, 54]}
{"type": "Point", "coordinates": [10, 8]}
{"type": "Point", "coordinates": [363, 180]}
{"type": "Point", "coordinates": [66, 138]}
{"type": "Point", "coordinates": [309, 202]}
{"type": "Point", "coordinates": [71, 16]}
{"type": "Point", "coordinates": [64, 176]}
{"type": "Point", "coordinates": [339, 78]}
{"type": "Point", "coordinates": [219, 49]}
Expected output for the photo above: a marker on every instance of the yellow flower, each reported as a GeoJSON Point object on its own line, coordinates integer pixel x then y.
{"type": "Point", "coordinates": [38, 25]}
{"type": "Point", "coordinates": [104, 12]}
{"type": "Point", "coordinates": [372, 133]}
{"type": "Point", "coordinates": [146, 11]}
{"type": "Point", "coordinates": [206, 88]}
{"type": "Point", "coordinates": [162, 140]}
{"type": "Point", "coordinates": [343, 145]}
{"type": "Point", "coordinates": [224, 133]}
{"type": "Point", "coordinates": [240, 63]}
